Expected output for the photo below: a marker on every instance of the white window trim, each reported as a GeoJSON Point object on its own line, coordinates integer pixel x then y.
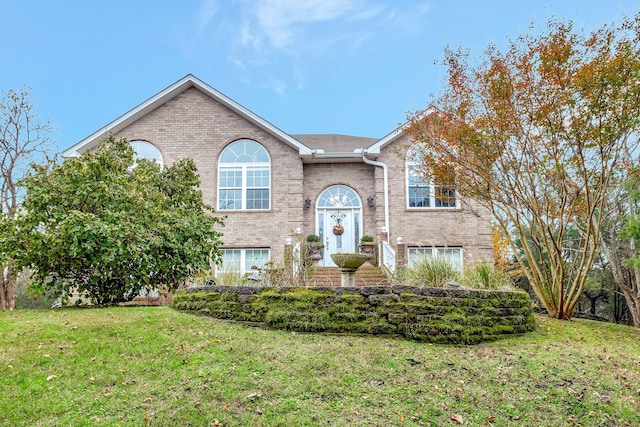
{"type": "Point", "coordinates": [243, 259]}
{"type": "Point", "coordinates": [243, 198]}
{"type": "Point", "coordinates": [434, 253]}
{"type": "Point", "coordinates": [159, 159]}
{"type": "Point", "coordinates": [409, 165]}
{"type": "Point", "coordinates": [432, 195]}
{"type": "Point", "coordinates": [244, 177]}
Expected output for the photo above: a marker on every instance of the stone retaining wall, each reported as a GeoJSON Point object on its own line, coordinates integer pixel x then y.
{"type": "Point", "coordinates": [423, 314]}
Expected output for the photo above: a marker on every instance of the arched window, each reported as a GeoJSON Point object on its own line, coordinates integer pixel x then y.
{"type": "Point", "coordinates": [422, 193]}
{"type": "Point", "coordinates": [146, 150]}
{"type": "Point", "coordinates": [244, 177]}
{"type": "Point", "coordinates": [339, 196]}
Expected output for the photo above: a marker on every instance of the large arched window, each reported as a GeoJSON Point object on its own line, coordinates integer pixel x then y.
{"type": "Point", "coordinates": [244, 177]}
{"type": "Point", "coordinates": [146, 150]}
{"type": "Point", "coordinates": [423, 193]}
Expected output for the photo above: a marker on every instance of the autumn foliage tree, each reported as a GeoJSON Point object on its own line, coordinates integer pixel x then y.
{"type": "Point", "coordinates": [535, 132]}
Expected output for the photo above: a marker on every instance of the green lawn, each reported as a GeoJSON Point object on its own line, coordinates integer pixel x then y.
{"type": "Point", "coordinates": [159, 367]}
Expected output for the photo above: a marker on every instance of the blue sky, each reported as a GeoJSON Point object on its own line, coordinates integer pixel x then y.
{"type": "Point", "coordinates": [308, 66]}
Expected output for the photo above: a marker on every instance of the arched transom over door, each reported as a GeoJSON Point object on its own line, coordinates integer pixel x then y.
{"type": "Point", "coordinates": [339, 221]}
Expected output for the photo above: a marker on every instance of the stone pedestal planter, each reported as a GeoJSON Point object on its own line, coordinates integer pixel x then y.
{"type": "Point", "coordinates": [348, 264]}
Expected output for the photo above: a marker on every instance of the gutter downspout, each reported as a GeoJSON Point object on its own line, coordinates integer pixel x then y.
{"type": "Point", "coordinates": [385, 177]}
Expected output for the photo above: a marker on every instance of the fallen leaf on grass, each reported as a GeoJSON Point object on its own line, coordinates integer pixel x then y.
{"type": "Point", "coordinates": [457, 419]}
{"type": "Point", "coordinates": [50, 377]}
{"type": "Point", "coordinates": [148, 399]}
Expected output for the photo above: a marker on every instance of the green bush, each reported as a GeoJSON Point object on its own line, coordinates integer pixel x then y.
{"type": "Point", "coordinates": [311, 238]}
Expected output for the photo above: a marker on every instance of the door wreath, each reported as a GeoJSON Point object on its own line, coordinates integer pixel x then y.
{"type": "Point", "coordinates": [338, 229]}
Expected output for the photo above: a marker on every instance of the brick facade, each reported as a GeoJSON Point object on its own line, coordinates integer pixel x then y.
{"type": "Point", "coordinates": [468, 227]}
{"type": "Point", "coordinates": [195, 122]}
{"type": "Point", "coordinates": [194, 125]}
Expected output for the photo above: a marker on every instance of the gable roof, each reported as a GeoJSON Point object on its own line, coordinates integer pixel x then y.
{"type": "Point", "coordinates": [169, 93]}
{"type": "Point", "coordinates": [396, 133]}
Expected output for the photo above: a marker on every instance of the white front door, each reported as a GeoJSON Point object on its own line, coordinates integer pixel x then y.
{"type": "Point", "coordinates": [339, 225]}
{"type": "Point", "coordinates": [337, 221]}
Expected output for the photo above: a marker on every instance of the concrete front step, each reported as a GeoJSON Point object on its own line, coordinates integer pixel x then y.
{"type": "Point", "coordinates": [367, 275]}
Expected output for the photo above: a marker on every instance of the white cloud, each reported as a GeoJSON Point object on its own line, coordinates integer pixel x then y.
{"type": "Point", "coordinates": [278, 18]}
{"type": "Point", "coordinates": [287, 39]}
{"type": "Point", "coordinates": [368, 13]}
{"type": "Point", "coordinates": [207, 10]}
{"type": "Point", "coordinates": [248, 38]}
{"type": "Point", "coordinates": [277, 85]}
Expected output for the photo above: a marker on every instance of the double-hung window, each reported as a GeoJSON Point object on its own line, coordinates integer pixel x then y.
{"type": "Point", "coordinates": [421, 191]}
{"type": "Point", "coordinates": [241, 261]}
{"type": "Point", "coordinates": [452, 255]}
{"type": "Point", "coordinates": [244, 177]}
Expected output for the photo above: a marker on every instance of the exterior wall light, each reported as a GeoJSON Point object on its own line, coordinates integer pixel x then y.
{"type": "Point", "coordinates": [371, 202]}
{"type": "Point", "coordinates": [307, 203]}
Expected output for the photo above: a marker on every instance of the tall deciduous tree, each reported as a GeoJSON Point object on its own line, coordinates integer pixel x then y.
{"type": "Point", "coordinates": [535, 132]}
{"type": "Point", "coordinates": [106, 225]}
{"type": "Point", "coordinates": [23, 138]}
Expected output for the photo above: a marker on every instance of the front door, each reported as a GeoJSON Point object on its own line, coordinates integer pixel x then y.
{"type": "Point", "coordinates": [339, 226]}
{"type": "Point", "coordinates": [339, 234]}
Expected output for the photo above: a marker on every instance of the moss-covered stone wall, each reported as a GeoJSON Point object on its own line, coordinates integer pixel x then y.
{"type": "Point", "coordinates": [422, 314]}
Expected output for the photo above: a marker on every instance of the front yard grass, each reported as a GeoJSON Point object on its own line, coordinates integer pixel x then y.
{"type": "Point", "coordinates": [154, 366]}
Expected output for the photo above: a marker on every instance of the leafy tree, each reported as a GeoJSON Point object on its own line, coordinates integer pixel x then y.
{"type": "Point", "coordinates": [23, 138]}
{"type": "Point", "coordinates": [620, 240]}
{"type": "Point", "coordinates": [535, 133]}
{"type": "Point", "coordinates": [108, 226]}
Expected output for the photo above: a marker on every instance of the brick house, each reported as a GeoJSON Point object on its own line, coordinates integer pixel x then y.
{"type": "Point", "coordinates": [273, 187]}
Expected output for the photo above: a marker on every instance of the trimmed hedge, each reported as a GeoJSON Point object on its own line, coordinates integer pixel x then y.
{"type": "Point", "coordinates": [457, 316]}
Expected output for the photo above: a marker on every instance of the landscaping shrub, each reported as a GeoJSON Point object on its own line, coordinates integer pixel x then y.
{"type": "Point", "coordinates": [434, 273]}
{"type": "Point", "coordinates": [484, 275]}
